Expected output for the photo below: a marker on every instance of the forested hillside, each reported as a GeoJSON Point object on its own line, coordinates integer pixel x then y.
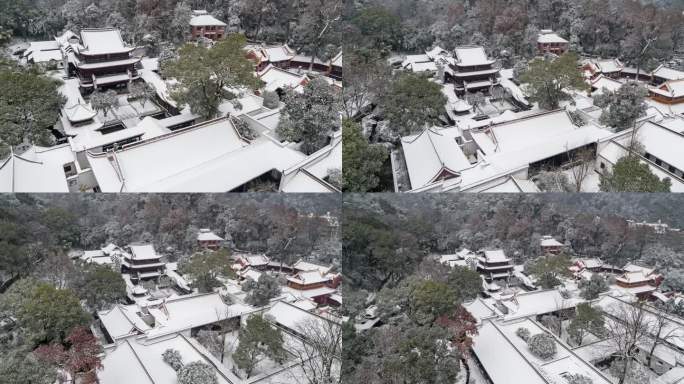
{"type": "Point", "coordinates": [294, 22]}
{"type": "Point", "coordinates": [385, 239]}
{"type": "Point", "coordinates": [36, 232]}
{"type": "Point", "coordinates": [507, 28]}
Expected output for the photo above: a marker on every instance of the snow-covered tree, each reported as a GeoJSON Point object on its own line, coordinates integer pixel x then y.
{"type": "Point", "coordinates": [173, 358]}
{"type": "Point", "coordinates": [141, 91]}
{"type": "Point", "coordinates": [542, 345]}
{"type": "Point", "coordinates": [266, 288]}
{"type": "Point", "coordinates": [593, 287]}
{"type": "Point", "coordinates": [258, 340]}
{"type": "Point", "coordinates": [523, 333]}
{"type": "Point", "coordinates": [578, 379]}
{"type": "Point", "coordinates": [309, 117]}
{"type": "Point", "coordinates": [674, 280]}
{"type": "Point", "coordinates": [587, 320]}
{"type": "Point", "coordinates": [271, 99]}
{"type": "Point", "coordinates": [552, 181]}
{"type": "Point", "coordinates": [197, 372]}
{"type": "Point", "coordinates": [104, 102]}
{"type": "Point", "coordinates": [178, 30]}
{"type": "Point", "coordinates": [623, 107]}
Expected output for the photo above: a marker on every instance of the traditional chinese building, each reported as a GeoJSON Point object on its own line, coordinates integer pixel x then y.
{"type": "Point", "coordinates": [208, 239]}
{"type": "Point", "coordinates": [550, 245]}
{"type": "Point", "coordinates": [202, 24]}
{"type": "Point", "coordinates": [472, 70]}
{"type": "Point", "coordinates": [142, 262]}
{"type": "Point", "coordinates": [278, 56]}
{"type": "Point", "coordinates": [549, 42]}
{"type": "Point", "coordinates": [669, 92]}
{"type": "Point", "coordinates": [102, 59]}
{"type": "Point", "coordinates": [638, 280]}
{"type": "Point", "coordinates": [494, 264]}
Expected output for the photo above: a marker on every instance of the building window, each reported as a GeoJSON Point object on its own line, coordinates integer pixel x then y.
{"type": "Point", "coordinates": [603, 165]}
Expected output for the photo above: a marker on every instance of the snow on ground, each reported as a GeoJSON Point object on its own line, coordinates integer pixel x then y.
{"type": "Point", "coordinates": [590, 183]}
{"type": "Point", "coordinates": [268, 371]}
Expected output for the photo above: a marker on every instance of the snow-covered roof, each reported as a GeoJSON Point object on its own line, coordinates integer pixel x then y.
{"type": "Point", "coordinates": [549, 241]}
{"type": "Point", "coordinates": [480, 310]}
{"type": "Point", "coordinates": [675, 123]}
{"type": "Point", "coordinates": [429, 66]}
{"type": "Point", "coordinates": [662, 143]}
{"type": "Point", "coordinates": [508, 184]}
{"type": "Point", "coordinates": [502, 361]}
{"type": "Point", "coordinates": [191, 311]}
{"type": "Point", "coordinates": [305, 304]}
{"type": "Point", "coordinates": [550, 37]}
{"type": "Point", "coordinates": [251, 274]}
{"type": "Point", "coordinates": [66, 36]}
{"type": "Point", "coordinates": [122, 321]}
{"type": "Point", "coordinates": [468, 56]}
{"type": "Point", "coordinates": [311, 277]}
{"type": "Point", "coordinates": [45, 56]}
{"type": "Point", "coordinates": [96, 257]}
{"type": "Point", "coordinates": [206, 20]}
{"type": "Point", "coordinates": [666, 73]}
{"type": "Point", "coordinates": [308, 175]}
{"type": "Point", "coordinates": [176, 277]}
{"type": "Point", "coordinates": [673, 326]}
{"type": "Point", "coordinates": [143, 252]}
{"type": "Point", "coordinates": [36, 170]}
{"type": "Point", "coordinates": [673, 376]}
{"type": "Point", "coordinates": [208, 157]}
{"type": "Point", "coordinates": [634, 277]}
{"type": "Point", "coordinates": [671, 88]}
{"type": "Point", "coordinates": [609, 66]}
{"type": "Point", "coordinates": [138, 361]}
{"type": "Point", "coordinates": [306, 266]}
{"type": "Point", "coordinates": [79, 112]}
{"type": "Point", "coordinates": [101, 41]}
{"type": "Point", "coordinates": [591, 263]}
{"type": "Point", "coordinates": [337, 60]}
{"type": "Point", "coordinates": [255, 260]}
{"type": "Point", "coordinates": [507, 359]}
{"type": "Point", "coordinates": [495, 256]}
{"type": "Point", "coordinates": [38, 46]}
{"type": "Point", "coordinates": [435, 52]}
{"type": "Point", "coordinates": [601, 82]}
{"type": "Point", "coordinates": [510, 147]}
{"type": "Point", "coordinates": [312, 293]}
{"type": "Point", "coordinates": [278, 78]}
{"type": "Point", "coordinates": [278, 53]}
{"type": "Point", "coordinates": [431, 153]}
{"type": "Point", "coordinates": [419, 63]}
{"type": "Point", "coordinates": [518, 134]}
{"type": "Point", "coordinates": [161, 87]}
{"type": "Point", "coordinates": [206, 234]}
{"type": "Point", "coordinates": [631, 267]}
{"type": "Point", "coordinates": [540, 302]}
{"type": "Point", "coordinates": [294, 318]}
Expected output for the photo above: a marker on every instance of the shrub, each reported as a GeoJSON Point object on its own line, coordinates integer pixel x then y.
{"type": "Point", "coordinates": [197, 373]}
{"type": "Point", "coordinates": [542, 345]}
{"type": "Point", "coordinates": [523, 333]}
{"type": "Point", "coordinates": [578, 379]}
{"type": "Point", "coordinates": [271, 100]}
{"type": "Point", "coordinates": [173, 358]}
